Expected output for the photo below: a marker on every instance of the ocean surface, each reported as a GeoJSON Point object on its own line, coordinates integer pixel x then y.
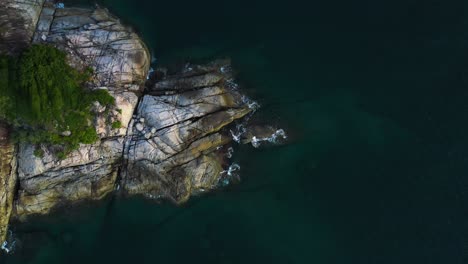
{"type": "Point", "coordinates": [374, 98]}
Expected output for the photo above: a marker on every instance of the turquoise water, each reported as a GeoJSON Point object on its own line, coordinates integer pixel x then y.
{"type": "Point", "coordinates": [373, 95]}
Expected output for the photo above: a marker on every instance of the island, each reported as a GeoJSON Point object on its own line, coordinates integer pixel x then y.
{"type": "Point", "coordinates": [123, 128]}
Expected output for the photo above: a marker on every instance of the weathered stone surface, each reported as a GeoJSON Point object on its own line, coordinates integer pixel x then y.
{"type": "Point", "coordinates": [94, 38]}
{"type": "Point", "coordinates": [7, 184]}
{"type": "Point", "coordinates": [87, 173]}
{"type": "Point", "coordinates": [125, 103]}
{"type": "Point", "coordinates": [189, 82]}
{"type": "Point", "coordinates": [18, 20]}
{"type": "Point", "coordinates": [182, 156]}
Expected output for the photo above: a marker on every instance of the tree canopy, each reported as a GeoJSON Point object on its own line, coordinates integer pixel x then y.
{"type": "Point", "coordinates": [42, 96]}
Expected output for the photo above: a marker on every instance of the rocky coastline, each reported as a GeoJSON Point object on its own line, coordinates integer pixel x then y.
{"type": "Point", "coordinates": [176, 128]}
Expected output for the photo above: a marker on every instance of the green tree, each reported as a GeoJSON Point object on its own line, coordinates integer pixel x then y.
{"type": "Point", "coordinates": [43, 96]}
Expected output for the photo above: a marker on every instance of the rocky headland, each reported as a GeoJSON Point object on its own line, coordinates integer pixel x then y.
{"type": "Point", "coordinates": [175, 133]}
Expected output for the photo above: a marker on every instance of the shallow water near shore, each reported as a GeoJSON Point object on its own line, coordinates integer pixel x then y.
{"type": "Point", "coordinates": [373, 97]}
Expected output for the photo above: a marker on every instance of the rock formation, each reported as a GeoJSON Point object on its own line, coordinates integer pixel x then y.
{"type": "Point", "coordinates": [173, 141]}
{"type": "Point", "coordinates": [175, 147]}
{"type": "Point", "coordinates": [18, 20]}
{"type": "Point", "coordinates": [94, 38]}
{"type": "Point", "coordinates": [120, 62]}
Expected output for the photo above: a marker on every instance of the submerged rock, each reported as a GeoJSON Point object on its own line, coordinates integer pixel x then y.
{"type": "Point", "coordinates": [259, 135]}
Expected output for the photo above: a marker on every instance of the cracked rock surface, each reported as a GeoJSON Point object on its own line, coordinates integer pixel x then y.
{"type": "Point", "coordinates": [87, 173]}
{"type": "Point", "coordinates": [94, 38]}
{"type": "Point", "coordinates": [175, 146]}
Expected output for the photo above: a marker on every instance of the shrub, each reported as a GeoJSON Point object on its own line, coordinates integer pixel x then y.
{"type": "Point", "coordinates": [38, 152]}
{"type": "Point", "coordinates": [8, 85]}
{"type": "Point", "coordinates": [43, 96]}
{"type": "Point", "coordinates": [102, 96]}
{"type": "Point", "coordinates": [116, 124]}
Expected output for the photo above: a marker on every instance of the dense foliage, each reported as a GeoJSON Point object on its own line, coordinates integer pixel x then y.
{"type": "Point", "coordinates": [45, 99]}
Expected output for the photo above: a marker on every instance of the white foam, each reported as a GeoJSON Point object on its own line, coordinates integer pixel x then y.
{"type": "Point", "coordinates": [233, 168]}
{"type": "Point", "coordinates": [254, 105]}
{"type": "Point", "coordinates": [151, 70]}
{"type": "Point", "coordinates": [187, 67]}
{"type": "Point", "coordinates": [153, 58]}
{"type": "Point", "coordinates": [153, 197]}
{"type": "Point", "coordinates": [255, 142]}
{"type": "Point", "coordinates": [5, 248]}
{"type": "Point", "coordinates": [279, 134]}
{"type": "Point", "coordinates": [225, 69]}
{"type": "Point", "coordinates": [229, 153]}
{"type": "Point", "coordinates": [230, 174]}
{"type": "Point", "coordinates": [232, 84]}
{"type": "Point", "coordinates": [235, 137]}
{"type": "Point", "coordinates": [237, 134]}
{"type": "Point", "coordinates": [8, 247]}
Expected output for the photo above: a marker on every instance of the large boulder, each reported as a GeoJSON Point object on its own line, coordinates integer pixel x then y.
{"type": "Point", "coordinates": [94, 38]}
{"type": "Point", "coordinates": [176, 147]}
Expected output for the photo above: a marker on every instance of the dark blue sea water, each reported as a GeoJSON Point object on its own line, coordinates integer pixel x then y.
{"type": "Point", "coordinates": [374, 96]}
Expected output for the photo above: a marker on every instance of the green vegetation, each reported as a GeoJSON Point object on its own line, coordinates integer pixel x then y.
{"type": "Point", "coordinates": [42, 97]}
{"type": "Point", "coordinates": [38, 152]}
{"type": "Point", "coordinates": [8, 84]}
{"type": "Point", "coordinates": [116, 124]}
